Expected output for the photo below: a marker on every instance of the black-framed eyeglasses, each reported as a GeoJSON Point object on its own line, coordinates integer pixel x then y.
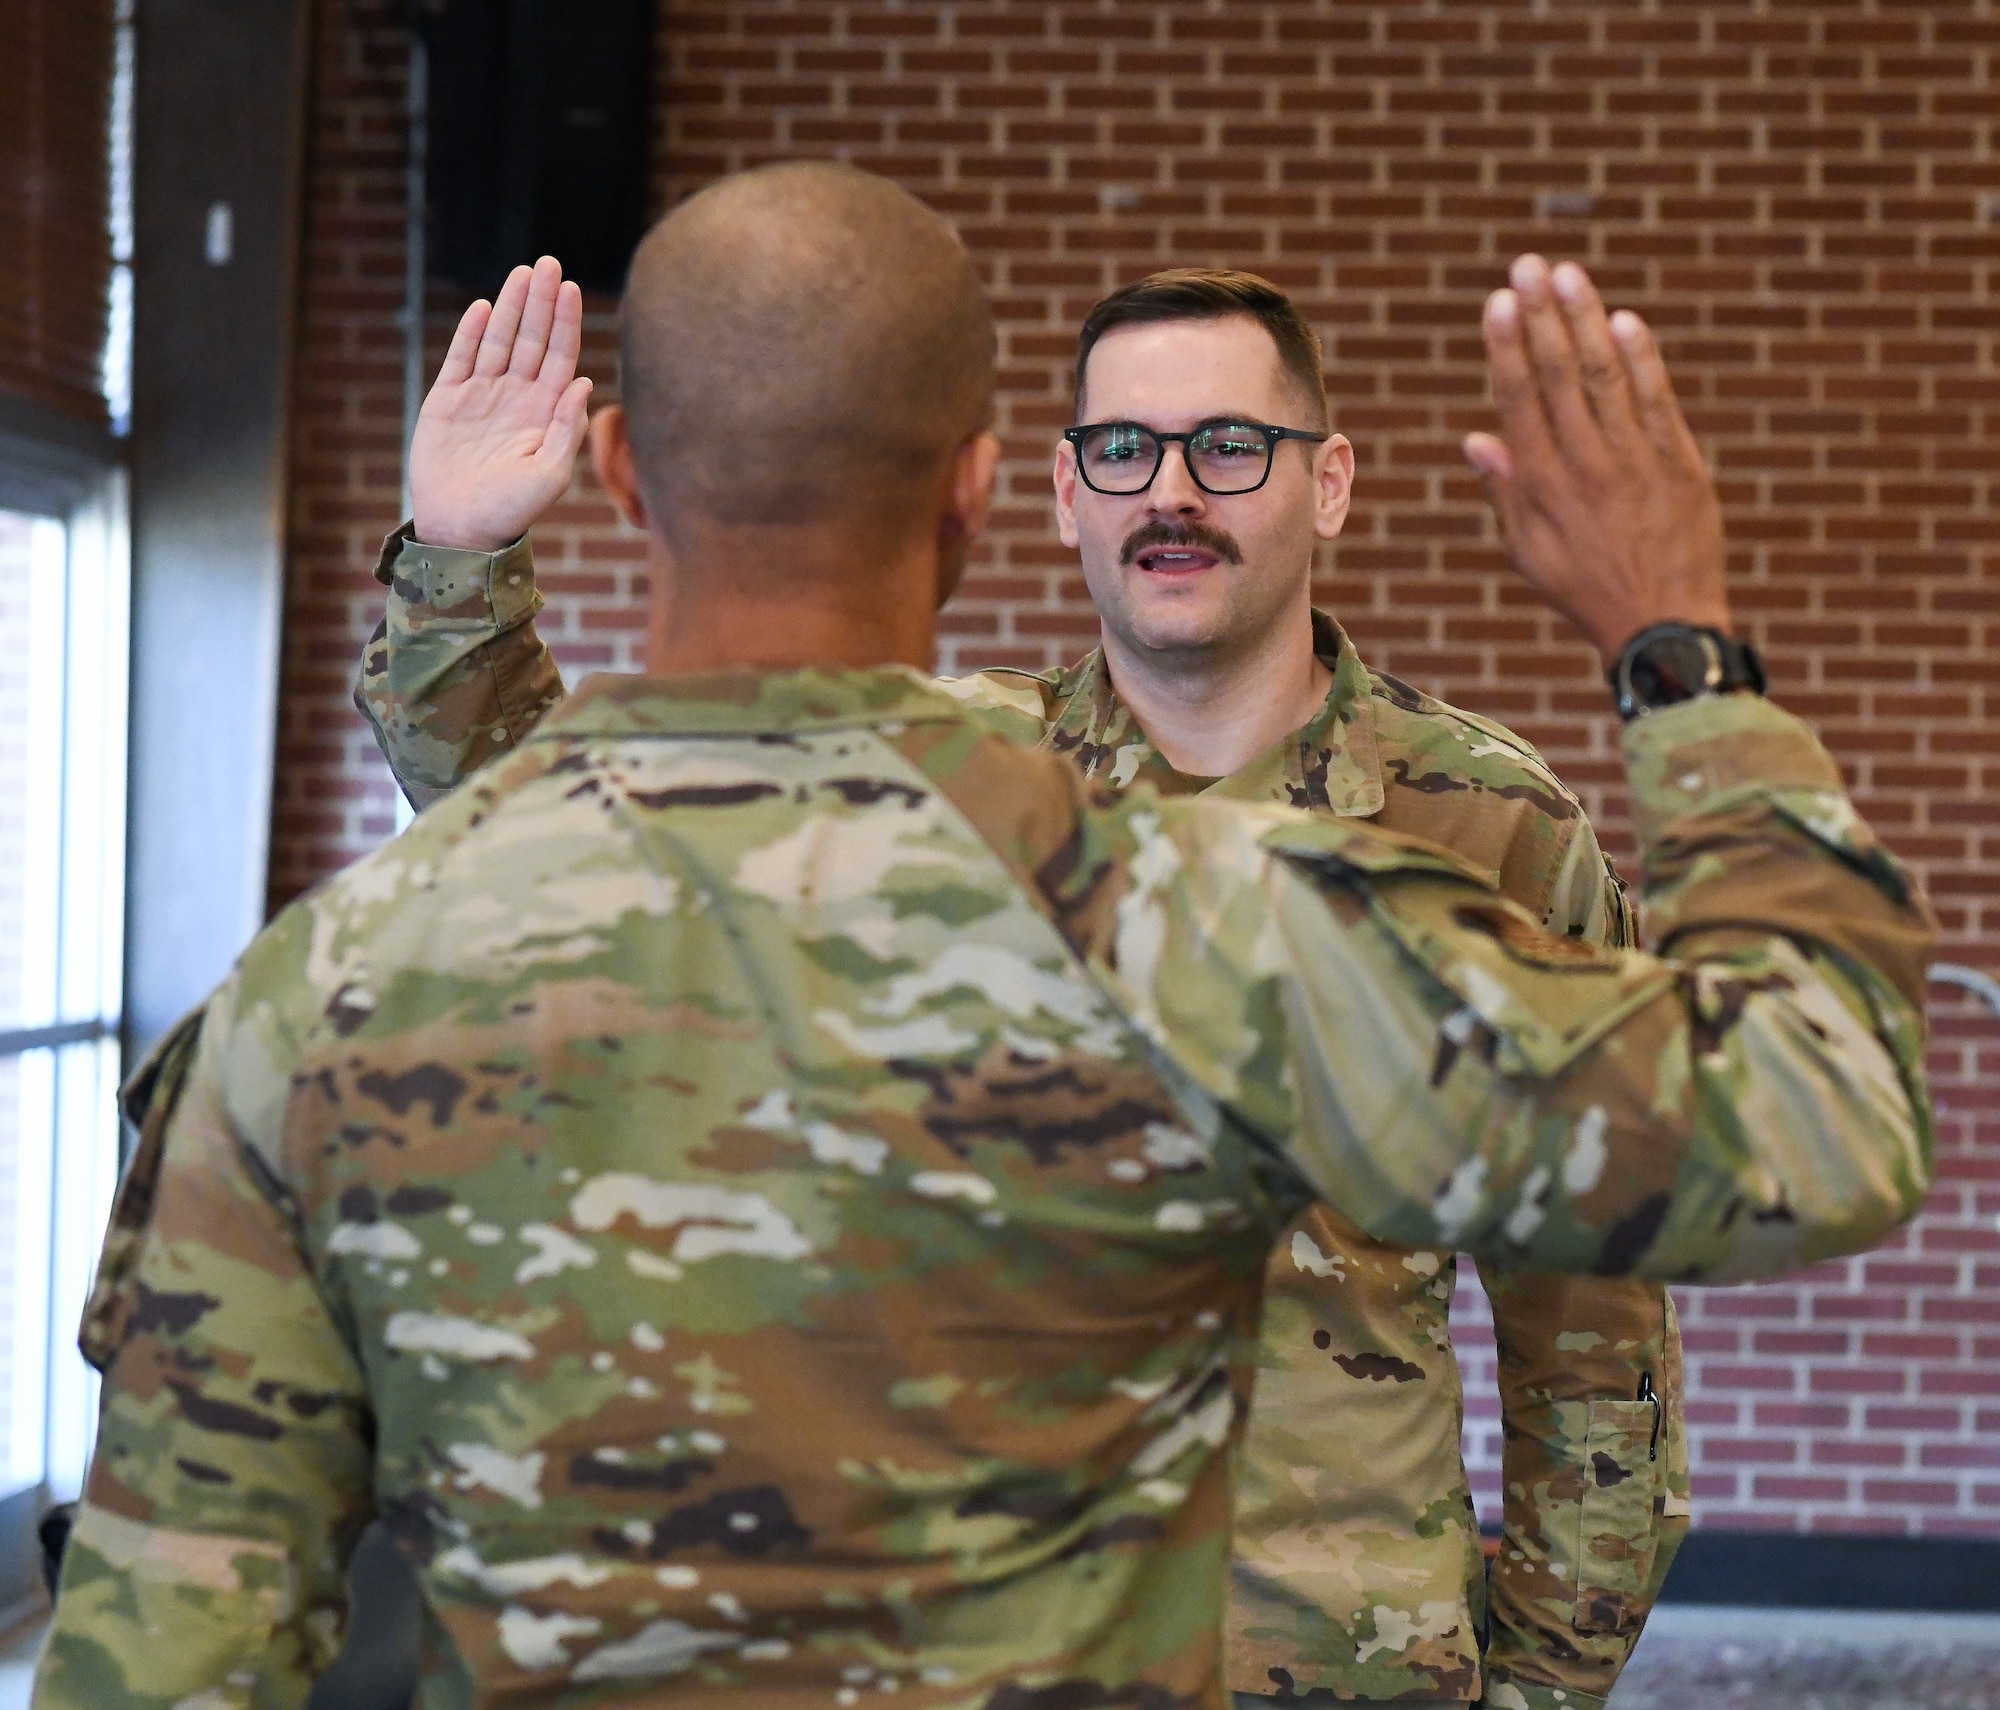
{"type": "Point", "coordinates": [1224, 457]}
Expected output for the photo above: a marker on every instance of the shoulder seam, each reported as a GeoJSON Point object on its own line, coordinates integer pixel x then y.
{"type": "Point", "coordinates": [1045, 678]}
{"type": "Point", "coordinates": [1435, 708]}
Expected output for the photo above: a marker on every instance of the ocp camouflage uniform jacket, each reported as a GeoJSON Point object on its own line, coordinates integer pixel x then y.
{"type": "Point", "coordinates": [1358, 1567]}
{"type": "Point", "coordinates": [767, 1189]}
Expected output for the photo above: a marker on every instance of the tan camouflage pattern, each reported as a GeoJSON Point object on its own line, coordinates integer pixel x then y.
{"type": "Point", "coordinates": [1358, 1568]}
{"type": "Point", "coordinates": [768, 1188]}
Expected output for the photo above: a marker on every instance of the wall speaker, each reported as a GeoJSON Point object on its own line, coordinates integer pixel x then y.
{"type": "Point", "coordinates": [539, 128]}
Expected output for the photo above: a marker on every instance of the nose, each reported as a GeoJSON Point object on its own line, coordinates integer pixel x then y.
{"type": "Point", "coordinates": [1173, 492]}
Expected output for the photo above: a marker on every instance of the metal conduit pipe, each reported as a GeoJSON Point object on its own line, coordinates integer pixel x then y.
{"type": "Point", "coordinates": [1970, 979]}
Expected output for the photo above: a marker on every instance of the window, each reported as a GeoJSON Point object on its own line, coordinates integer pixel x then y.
{"type": "Point", "coordinates": [66, 106]}
{"type": "Point", "coordinates": [63, 658]}
{"type": "Point", "coordinates": [65, 226]}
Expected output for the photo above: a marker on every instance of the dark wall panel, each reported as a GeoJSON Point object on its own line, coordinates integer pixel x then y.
{"type": "Point", "coordinates": [220, 103]}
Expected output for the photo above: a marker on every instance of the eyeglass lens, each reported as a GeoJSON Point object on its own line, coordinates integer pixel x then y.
{"type": "Point", "coordinates": [1224, 457]}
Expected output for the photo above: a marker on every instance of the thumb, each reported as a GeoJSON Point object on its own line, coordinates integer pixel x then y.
{"type": "Point", "coordinates": [568, 425]}
{"type": "Point", "coordinates": [1494, 465]}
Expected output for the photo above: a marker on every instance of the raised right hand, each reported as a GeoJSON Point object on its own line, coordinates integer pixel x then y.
{"type": "Point", "coordinates": [498, 435]}
{"type": "Point", "coordinates": [1604, 500]}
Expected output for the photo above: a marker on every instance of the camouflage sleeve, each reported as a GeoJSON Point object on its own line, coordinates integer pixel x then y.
{"type": "Point", "coordinates": [146, 1102]}
{"type": "Point", "coordinates": [455, 672]}
{"type": "Point", "coordinates": [1588, 1541]}
{"type": "Point", "coordinates": [1449, 1073]}
{"type": "Point", "coordinates": [1595, 1486]}
{"type": "Point", "coordinates": [232, 1471]}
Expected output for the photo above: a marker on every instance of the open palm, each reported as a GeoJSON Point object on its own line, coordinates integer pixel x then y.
{"type": "Point", "coordinates": [1604, 499]}
{"type": "Point", "coordinates": [498, 435]}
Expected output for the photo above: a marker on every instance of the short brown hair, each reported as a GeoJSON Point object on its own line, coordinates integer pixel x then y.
{"type": "Point", "coordinates": [1211, 294]}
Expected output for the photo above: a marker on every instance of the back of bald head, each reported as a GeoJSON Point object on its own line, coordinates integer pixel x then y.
{"type": "Point", "coordinates": [802, 343]}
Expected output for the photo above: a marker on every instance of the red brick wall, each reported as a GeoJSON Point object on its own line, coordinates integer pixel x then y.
{"type": "Point", "coordinates": [1803, 197]}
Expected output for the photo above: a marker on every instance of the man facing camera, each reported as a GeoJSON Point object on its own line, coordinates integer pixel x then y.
{"type": "Point", "coordinates": [767, 1190]}
{"type": "Point", "coordinates": [1200, 475]}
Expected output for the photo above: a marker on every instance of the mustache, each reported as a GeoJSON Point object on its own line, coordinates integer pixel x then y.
{"type": "Point", "coordinates": [1199, 535]}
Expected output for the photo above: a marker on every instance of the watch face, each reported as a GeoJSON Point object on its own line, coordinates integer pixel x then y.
{"type": "Point", "coordinates": [1674, 667]}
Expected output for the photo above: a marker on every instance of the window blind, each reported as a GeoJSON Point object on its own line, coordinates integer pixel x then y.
{"type": "Point", "coordinates": [55, 232]}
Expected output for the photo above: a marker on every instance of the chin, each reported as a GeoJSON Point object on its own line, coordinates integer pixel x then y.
{"type": "Point", "coordinates": [1164, 621]}
{"type": "Point", "coordinates": [1178, 632]}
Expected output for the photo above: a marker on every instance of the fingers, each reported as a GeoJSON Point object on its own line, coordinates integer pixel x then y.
{"type": "Point", "coordinates": [565, 337]}
{"type": "Point", "coordinates": [464, 345]}
{"type": "Point", "coordinates": [1602, 368]}
{"type": "Point", "coordinates": [1552, 350]}
{"type": "Point", "coordinates": [1494, 466]}
{"type": "Point", "coordinates": [1515, 393]}
{"type": "Point", "coordinates": [497, 345]}
{"type": "Point", "coordinates": [1652, 390]}
{"type": "Point", "coordinates": [538, 315]}
{"type": "Point", "coordinates": [1489, 458]}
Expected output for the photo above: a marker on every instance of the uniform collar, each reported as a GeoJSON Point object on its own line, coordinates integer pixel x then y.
{"type": "Point", "coordinates": [1331, 764]}
{"type": "Point", "coordinates": [747, 703]}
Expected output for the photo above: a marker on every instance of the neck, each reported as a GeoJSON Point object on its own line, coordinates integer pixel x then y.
{"type": "Point", "coordinates": [783, 599]}
{"type": "Point", "coordinates": [1210, 712]}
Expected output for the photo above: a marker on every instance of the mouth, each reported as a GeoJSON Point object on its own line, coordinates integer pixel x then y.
{"type": "Point", "coordinates": [1176, 560]}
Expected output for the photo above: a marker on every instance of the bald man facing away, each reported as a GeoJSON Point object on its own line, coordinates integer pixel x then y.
{"type": "Point", "coordinates": [765, 1189]}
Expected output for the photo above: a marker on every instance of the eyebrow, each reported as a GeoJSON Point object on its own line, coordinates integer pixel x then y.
{"type": "Point", "coordinates": [1247, 418]}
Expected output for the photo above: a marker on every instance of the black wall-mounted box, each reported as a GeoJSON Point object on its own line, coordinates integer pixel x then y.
{"type": "Point", "coordinates": [540, 129]}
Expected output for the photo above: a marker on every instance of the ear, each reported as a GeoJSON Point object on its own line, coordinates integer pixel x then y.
{"type": "Point", "coordinates": [611, 457]}
{"type": "Point", "coordinates": [1065, 479]}
{"type": "Point", "coordinates": [973, 471]}
{"type": "Point", "coordinates": [1333, 486]}
{"type": "Point", "coordinates": [968, 504]}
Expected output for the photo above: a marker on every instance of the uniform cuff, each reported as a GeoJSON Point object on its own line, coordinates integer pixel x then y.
{"type": "Point", "coordinates": [1693, 757]}
{"type": "Point", "coordinates": [447, 578]}
{"type": "Point", "coordinates": [1528, 1695]}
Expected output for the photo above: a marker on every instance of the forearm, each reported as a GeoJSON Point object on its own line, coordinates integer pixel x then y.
{"type": "Point", "coordinates": [1590, 1394]}
{"type": "Point", "coordinates": [1752, 1104]}
{"type": "Point", "coordinates": [1447, 1073]}
{"type": "Point", "coordinates": [456, 672]}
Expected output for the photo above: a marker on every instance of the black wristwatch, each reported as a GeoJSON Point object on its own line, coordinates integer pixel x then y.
{"type": "Point", "coordinates": [1678, 662]}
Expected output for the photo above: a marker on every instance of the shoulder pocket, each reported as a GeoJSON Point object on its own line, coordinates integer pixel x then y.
{"type": "Point", "coordinates": [1544, 997]}
{"type": "Point", "coordinates": [1619, 1531]}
